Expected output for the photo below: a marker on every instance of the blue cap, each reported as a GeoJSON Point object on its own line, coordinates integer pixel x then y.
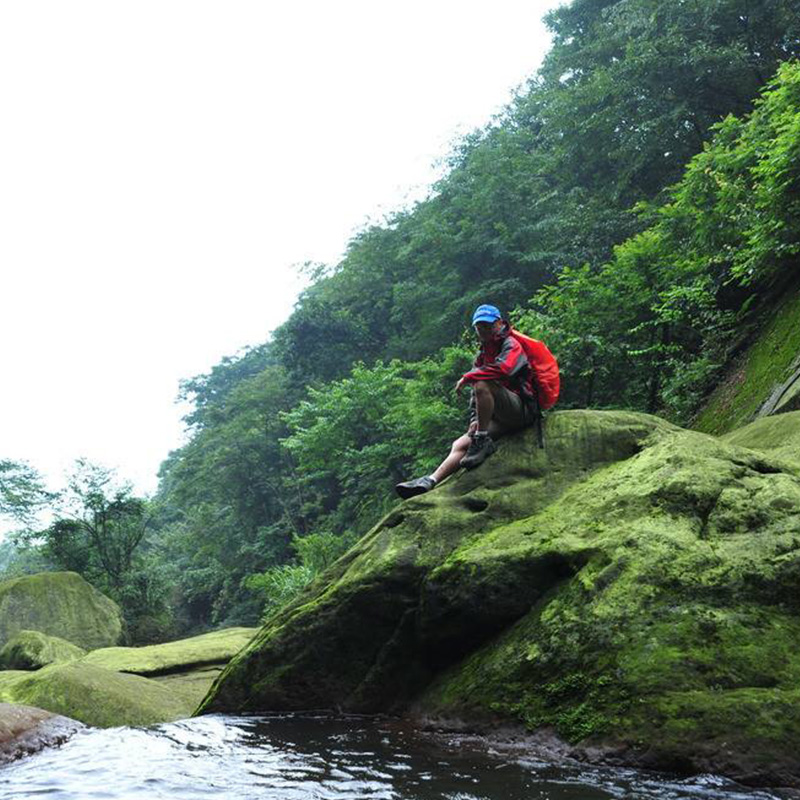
{"type": "Point", "coordinates": [486, 313]}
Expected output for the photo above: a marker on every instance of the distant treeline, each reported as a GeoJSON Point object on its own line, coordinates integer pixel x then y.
{"type": "Point", "coordinates": [632, 206]}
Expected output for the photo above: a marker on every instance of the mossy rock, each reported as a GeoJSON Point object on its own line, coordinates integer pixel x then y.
{"type": "Point", "coordinates": [752, 379]}
{"type": "Point", "coordinates": [32, 650]}
{"type": "Point", "coordinates": [95, 696]}
{"type": "Point", "coordinates": [345, 641]}
{"type": "Point", "coordinates": [187, 667]}
{"type": "Point", "coordinates": [215, 648]}
{"type": "Point", "coordinates": [59, 604]}
{"type": "Point", "coordinates": [192, 685]}
{"type": "Point", "coordinates": [778, 435]}
{"type": "Point", "coordinates": [600, 587]}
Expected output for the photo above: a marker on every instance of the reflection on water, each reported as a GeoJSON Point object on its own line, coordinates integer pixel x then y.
{"type": "Point", "coordinates": [310, 757]}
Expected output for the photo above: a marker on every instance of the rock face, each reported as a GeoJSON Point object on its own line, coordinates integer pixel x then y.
{"type": "Point", "coordinates": [765, 378]}
{"type": "Point", "coordinates": [25, 730]}
{"type": "Point", "coordinates": [59, 604]}
{"type": "Point", "coordinates": [32, 650]}
{"type": "Point", "coordinates": [633, 586]}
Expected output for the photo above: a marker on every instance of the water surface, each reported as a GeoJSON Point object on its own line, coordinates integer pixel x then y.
{"type": "Point", "coordinates": [316, 757]}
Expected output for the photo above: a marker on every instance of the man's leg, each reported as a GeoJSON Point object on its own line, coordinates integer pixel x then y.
{"type": "Point", "coordinates": [453, 460]}
{"type": "Point", "coordinates": [481, 445]}
{"type": "Point", "coordinates": [446, 468]}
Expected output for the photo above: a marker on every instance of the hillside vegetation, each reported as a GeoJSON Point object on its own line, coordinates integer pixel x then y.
{"type": "Point", "coordinates": [635, 206]}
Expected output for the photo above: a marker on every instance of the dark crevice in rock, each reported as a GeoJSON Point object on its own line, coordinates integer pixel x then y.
{"type": "Point", "coordinates": [394, 519]}
{"type": "Point", "coordinates": [398, 673]}
{"type": "Point", "coordinates": [476, 504]}
{"type": "Point", "coordinates": [464, 606]}
{"type": "Point", "coordinates": [177, 669]}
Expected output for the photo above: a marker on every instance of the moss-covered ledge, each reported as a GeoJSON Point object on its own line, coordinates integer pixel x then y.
{"type": "Point", "coordinates": [633, 587]}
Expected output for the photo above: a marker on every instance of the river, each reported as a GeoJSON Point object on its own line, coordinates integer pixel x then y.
{"type": "Point", "coordinates": [316, 757]}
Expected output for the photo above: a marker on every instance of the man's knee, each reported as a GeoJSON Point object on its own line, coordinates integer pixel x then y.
{"type": "Point", "coordinates": [462, 443]}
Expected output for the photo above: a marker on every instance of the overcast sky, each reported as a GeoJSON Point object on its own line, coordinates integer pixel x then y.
{"type": "Point", "coordinates": [165, 164]}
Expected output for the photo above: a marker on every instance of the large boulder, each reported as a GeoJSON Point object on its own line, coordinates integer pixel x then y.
{"type": "Point", "coordinates": [187, 666]}
{"type": "Point", "coordinates": [59, 604]}
{"type": "Point", "coordinates": [217, 647]}
{"type": "Point", "coordinates": [25, 730]}
{"type": "Point", "coordinates": [95, 696]}
{"type": "Point", "coordinates": [32, 650]}
{"type": "Point", "coordinates": [633, 585]}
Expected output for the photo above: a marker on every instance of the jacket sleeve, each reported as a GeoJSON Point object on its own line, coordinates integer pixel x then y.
{"type": "Point", "coordinates": [510, 360]}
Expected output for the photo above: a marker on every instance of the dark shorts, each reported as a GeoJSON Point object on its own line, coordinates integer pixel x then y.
{"type": "Point", "coordinates": [511, 412]}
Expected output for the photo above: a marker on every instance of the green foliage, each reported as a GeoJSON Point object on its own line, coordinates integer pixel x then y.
{"type": "Point", "coordinates": [380, 422]}
{"type": "Point", "coordinates": [102, 528]}
{"type": "Point", "coordinates": [641, 291]}
{"type": "Point", "coordinates": [280, 584]}
{"type": "Point", "coordinates": [652, 327]}
{"type": "Point", "coordinates": [22, 491]}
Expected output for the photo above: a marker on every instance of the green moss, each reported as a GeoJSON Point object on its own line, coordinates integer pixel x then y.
{"type": "Point", "coordinates": [59, 604]}
{"type": "Point", "coordinates": [96, 696]}
{"type": "Point", "coordinates": [752, 731]}
{"type": "Point", "coordinates": [217, 647]}
{"type": "Point", "coordinates": [192, 685]}
{"type": "Point", "coordinates": [32, 650]}
{"type": "Point", "coordinates": [585, 589]}
{"type": "Point", "coordinates": [330, 647]}
{"type": "Point", "coordinates": [778, 435]}
{"type": "Point", "coordinates": [753, 377]}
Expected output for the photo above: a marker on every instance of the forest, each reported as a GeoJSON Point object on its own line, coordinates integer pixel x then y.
{"type": "Point", "coordinates": [636, 205]}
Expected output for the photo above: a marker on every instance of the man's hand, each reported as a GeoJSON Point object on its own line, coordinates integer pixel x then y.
{"type": "Point", "coordinates": [473, 426]}
{"type": "Point", "coordinates": [460, 385]}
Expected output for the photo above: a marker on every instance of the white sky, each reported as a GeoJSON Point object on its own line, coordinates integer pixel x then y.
{"type": "Point", "coordinates": [165, 163]}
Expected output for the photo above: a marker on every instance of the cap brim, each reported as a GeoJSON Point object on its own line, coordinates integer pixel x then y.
{"type": "Point", "coordinates": [484, 319]}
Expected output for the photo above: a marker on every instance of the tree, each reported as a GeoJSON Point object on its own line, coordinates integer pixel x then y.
{"type": "Point", "coordinates": [101, 525]}
{"type": "Point", "coordinates": [22, 491]}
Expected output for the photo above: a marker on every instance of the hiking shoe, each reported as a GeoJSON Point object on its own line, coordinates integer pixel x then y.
{"type": "Point", "coordinates": [415, 487]}
{"type": "Point", "coordinates": [480, 448]}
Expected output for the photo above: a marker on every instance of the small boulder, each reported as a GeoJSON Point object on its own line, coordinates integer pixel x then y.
{"type": "Point", "coordinates": [25, 730]}
{"type": "Point", "coordinates": [59, 604]}
{"type": "Point", "coordinates": [33, 649]}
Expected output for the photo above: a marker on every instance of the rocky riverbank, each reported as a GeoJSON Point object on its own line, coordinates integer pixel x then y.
{"type": "Point", "coordinates": [632, 587]}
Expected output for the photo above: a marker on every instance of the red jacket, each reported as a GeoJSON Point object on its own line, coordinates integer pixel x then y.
{"type": "Point", "coordinates": [502, 359]}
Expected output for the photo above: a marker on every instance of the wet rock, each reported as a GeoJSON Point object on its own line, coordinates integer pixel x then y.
{"type": "Point", "coordinates": [25, 730]}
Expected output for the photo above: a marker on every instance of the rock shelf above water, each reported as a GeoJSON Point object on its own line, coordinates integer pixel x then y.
{"type": "Point", "coordinates": [634, 586]}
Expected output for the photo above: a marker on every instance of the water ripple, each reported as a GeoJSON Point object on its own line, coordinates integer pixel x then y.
{"type": "Point", "coordinates": [317, 758]}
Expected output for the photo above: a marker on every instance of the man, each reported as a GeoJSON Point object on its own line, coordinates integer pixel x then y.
{"type": "Point", "coordinates": [503, 399]}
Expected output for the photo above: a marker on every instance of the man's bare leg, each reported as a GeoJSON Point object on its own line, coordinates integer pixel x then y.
{"type": "Point", "coordinates": [484, 401]}
{"type": "Point", "coordinates": [453, 460]}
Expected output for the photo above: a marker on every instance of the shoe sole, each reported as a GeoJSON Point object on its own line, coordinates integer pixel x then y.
{"type": "Point", "coordinates": [405, 494]}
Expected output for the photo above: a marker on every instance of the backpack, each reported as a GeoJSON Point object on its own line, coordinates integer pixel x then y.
{"type": "Point", "coordinates": [544, 367]}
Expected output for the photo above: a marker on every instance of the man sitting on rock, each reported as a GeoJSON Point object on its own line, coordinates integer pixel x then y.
{"type": "Point", "coordinates": [503, 399]}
